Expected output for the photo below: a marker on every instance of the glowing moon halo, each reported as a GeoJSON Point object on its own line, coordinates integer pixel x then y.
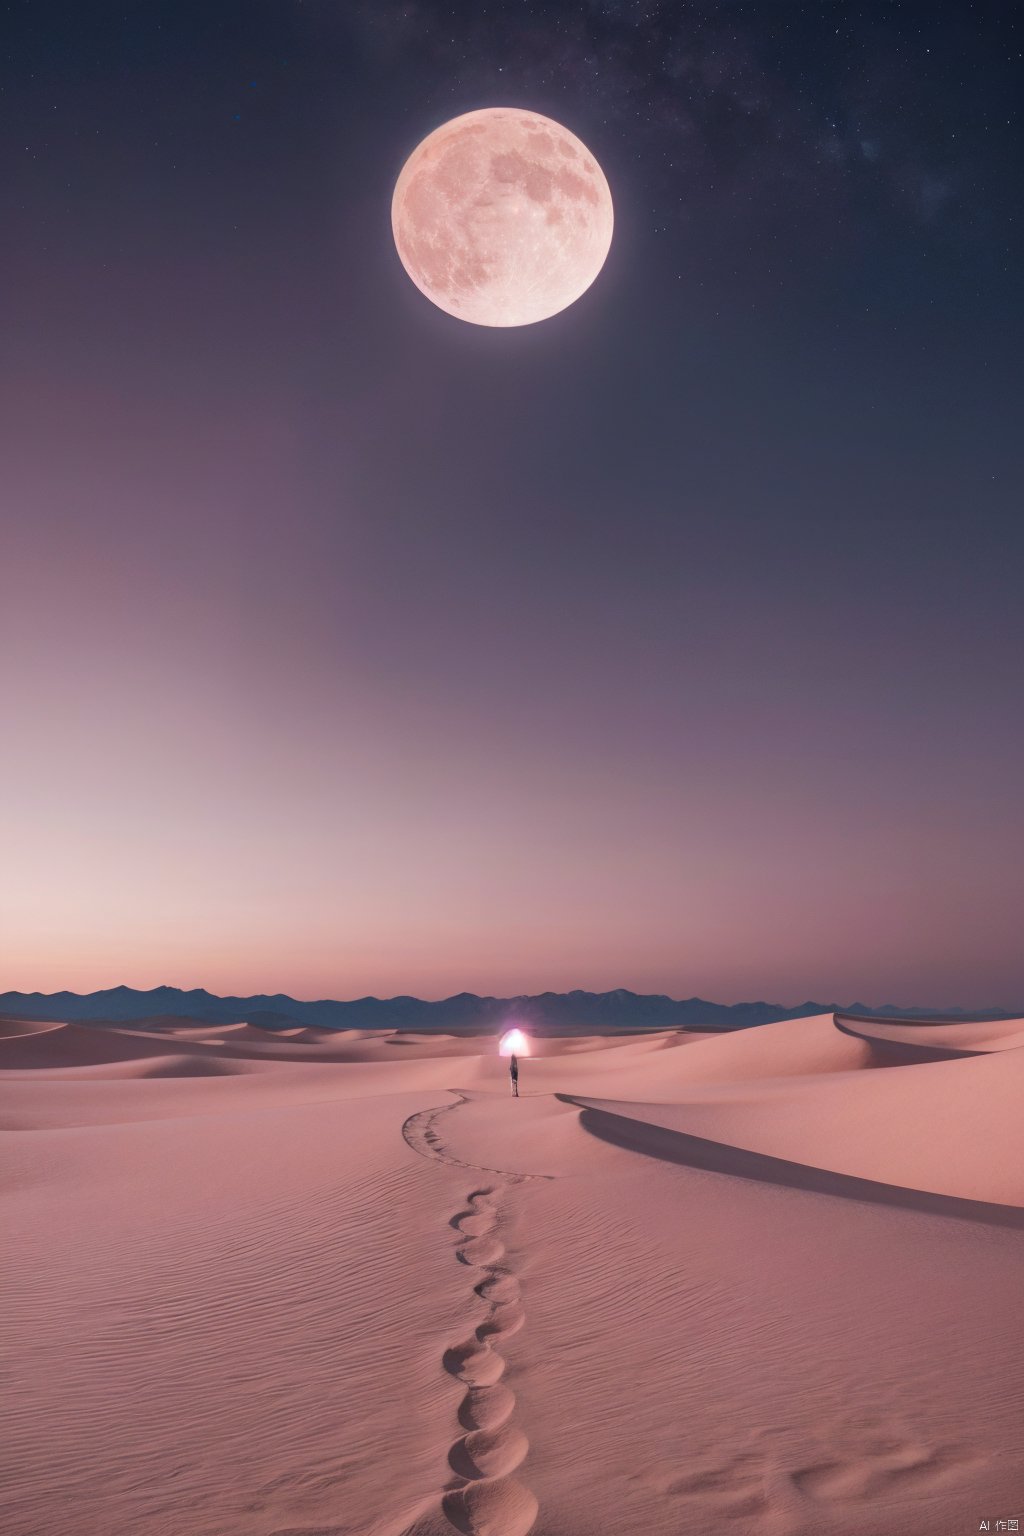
{"type": "Point", "coordinates": [502, 217]}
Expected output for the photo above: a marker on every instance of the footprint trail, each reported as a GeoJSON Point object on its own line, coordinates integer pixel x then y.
{"type": "Point", "coordinates": [485, 1498]}
{"type": "Point", "coordinates": [422, 1133]}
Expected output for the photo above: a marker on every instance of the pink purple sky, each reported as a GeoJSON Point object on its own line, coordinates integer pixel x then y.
{"type": "Point", "coordinates": [673, 644]}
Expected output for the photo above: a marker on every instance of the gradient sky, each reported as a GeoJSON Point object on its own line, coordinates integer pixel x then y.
{"type": "Point", "coordinates": [674, 643]}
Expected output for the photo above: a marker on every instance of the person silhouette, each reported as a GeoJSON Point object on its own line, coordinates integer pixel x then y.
{"type": "Point", "coordinates": [513, 1072]}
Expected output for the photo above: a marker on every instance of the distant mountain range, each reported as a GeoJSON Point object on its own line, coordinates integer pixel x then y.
{"type": "Point", "coordinates": [548, 1012]}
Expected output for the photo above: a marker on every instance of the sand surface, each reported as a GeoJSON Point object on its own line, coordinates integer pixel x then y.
{"type": "Point", "coordinates": [317, 1284]}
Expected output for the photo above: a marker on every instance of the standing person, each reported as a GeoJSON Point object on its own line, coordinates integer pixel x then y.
{"type": "Point", "coordinates": [513, 1072]}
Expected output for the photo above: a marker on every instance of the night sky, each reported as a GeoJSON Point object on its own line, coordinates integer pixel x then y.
{"type": "Point", "coordinates": [672, 643]}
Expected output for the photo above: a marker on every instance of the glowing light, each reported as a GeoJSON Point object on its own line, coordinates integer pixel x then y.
{"type": "Point", "coordinates": [502, 217]}
{"type": "Point", "coordinates": [514, 1043]}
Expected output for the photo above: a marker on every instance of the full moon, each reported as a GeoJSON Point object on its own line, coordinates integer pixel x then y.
{"type": "Point", "coordinates": [502, 217]}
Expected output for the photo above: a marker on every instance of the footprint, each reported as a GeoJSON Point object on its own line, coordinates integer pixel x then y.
{"type": "Point", "coordinates": [480, 1251]}
{"type": "Point", "coordinates": [882, 1465]}
{"type": "Point", "coordinates": [503, 1322]}
{"type": "Point", "coordinates": [474, 1363]}
{"type": "Point", "coordinates": [497, 1507]}
{"type": "Point", "coordinates": [827, 1480]}
{"type": "Point", "coordinates": [476, 1223]}
{"type": "Point", "coordinates": [501, 1286]}
{"type": "Point", "coordinates": [489, 1452]}
{"type": "Point", "coordinates": [486, 1407]}
{"type": "Point", "coordinates": [734, 1487]}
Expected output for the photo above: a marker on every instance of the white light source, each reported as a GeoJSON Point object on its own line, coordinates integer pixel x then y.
{"type": "Point", "coordinates": [514, 1043]}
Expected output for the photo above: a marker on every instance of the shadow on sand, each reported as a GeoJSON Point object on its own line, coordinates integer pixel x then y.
{"type": "Point", "coordinates": [720, 1157]}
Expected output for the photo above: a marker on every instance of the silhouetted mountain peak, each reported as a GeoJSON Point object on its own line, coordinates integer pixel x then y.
{"type": "Point", "coordinates": [547, 1012]}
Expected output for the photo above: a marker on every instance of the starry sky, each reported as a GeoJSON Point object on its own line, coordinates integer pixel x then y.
{"type": "Point", "coordinates": [674, 643]}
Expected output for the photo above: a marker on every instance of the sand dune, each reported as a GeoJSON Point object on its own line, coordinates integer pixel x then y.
{"type": "Point", "coordinates": [917, 1125]}
{"type": "Point", "coordinates": [794, 1048]}
{"type": "Point", "coordinates": [11, 1029]}
{"type": "Point", "coordinates": [186, 1029]}
{"type": "Point", "coordinates": [66, 1046]}
{"type": "Point", "coordinates": [284, 1284]}
{"type": "Point", "coordinates": [659, 1133]}
{"type": "Point", "coordinates": [929, 1038]}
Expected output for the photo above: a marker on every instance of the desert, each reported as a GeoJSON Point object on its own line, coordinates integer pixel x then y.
{"type": "Point", "coordinates": [341, 1283]}
{"type": "Point", "coordinates": [511, 655]}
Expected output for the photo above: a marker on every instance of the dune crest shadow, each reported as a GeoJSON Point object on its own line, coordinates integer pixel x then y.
{"type": "Point", "coordinates": [690, 1151]}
